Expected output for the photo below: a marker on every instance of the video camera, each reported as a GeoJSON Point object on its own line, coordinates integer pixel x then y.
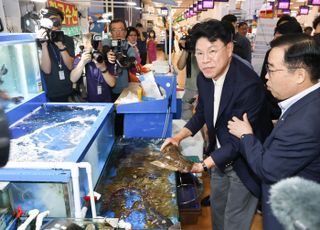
{"type": "Point", "coordinates": [47, 24]}
{"type": "Point", "coordinates": [189, 46]}
{"type": "Point", "coordinates": [95, 53]}
{"type": "Point", "coordinates": [120, 49]}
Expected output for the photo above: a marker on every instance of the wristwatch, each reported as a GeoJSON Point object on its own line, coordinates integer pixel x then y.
{"type": "Point", "coordinates": [104, 71]}
{"type": "Point", "coordinates": [205, 167]}
{"type": "Point", "coordinates": [63, 49]}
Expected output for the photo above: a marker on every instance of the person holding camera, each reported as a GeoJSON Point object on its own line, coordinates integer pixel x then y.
{"type": "Point", "coordinates": [57, 56]}
{"type": "Point", "coordinates": [188, 60]}
{"type": "Point", "coordinates": [98, 80]}
{"type": "Point", "coordinates": [122, 56]}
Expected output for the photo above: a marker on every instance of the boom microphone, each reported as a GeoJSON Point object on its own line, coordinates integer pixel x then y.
{"type": "Point", "coordinates": [296, 203]}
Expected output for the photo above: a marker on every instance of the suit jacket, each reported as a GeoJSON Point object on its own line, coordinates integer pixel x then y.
{"type": "Point", "coordinates": [242, 92]}
{"type": "Point", "coordinates": [292, 149]}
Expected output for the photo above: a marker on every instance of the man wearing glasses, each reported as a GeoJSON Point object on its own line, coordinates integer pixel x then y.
{"type": "Point", "coordinates": [226, 87]}
{"type": "Point", "coordinates": [292, 149]}
{"type": "Point", "coordinates": [118, 30]}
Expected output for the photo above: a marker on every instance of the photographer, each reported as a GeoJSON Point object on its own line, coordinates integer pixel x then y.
{"type": "Point", "coordinates": [188, 60]}
{"type": "Point", "coordinates": [97, 78]}
{"type": "Point", "coordinates": [56, 57]}
{"type": "Point", "coordinates": [122, 56]}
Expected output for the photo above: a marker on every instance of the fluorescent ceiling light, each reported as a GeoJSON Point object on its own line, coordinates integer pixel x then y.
{"type": "Point", "coordinates": [166, 2]}
{"type": "Point", "coordinates": [131, 3]}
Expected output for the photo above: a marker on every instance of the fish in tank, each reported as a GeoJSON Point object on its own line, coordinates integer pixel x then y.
{"type": "Point", "coordinates": [136, 191]}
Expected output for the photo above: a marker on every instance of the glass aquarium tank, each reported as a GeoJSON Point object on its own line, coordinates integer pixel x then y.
{"type": "Point", "coordinates": [134, 190]}
{"type": "Point", "coordinates": [47, 145]}
{"type": "Point", "coordinates": [20, 77]}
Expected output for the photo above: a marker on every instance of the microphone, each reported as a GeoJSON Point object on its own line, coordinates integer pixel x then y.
{"type": "Point", "coordinates": [295, 203]}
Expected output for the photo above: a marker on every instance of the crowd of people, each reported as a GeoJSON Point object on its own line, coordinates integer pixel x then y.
{"type": "Point", "coordinates": [259, 130]}
{"type": "Point", "coordinates": [102, 66]}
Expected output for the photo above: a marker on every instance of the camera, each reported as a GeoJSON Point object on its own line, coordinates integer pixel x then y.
{"type": "Point", "coordinates": [95, 53]}
{"type": "Point", "coordinates": [188, 45]}
{"type": "Point", "coordinates": [52, 35]}
{"type": "Point", "coordinates": [56, 36]}
{"type": "Point", "coordinates": [120, 49]}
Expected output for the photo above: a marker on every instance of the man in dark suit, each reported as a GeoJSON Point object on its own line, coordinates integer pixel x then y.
{"type": "Point", "coordinates": [293, 147]}
{"type": "Point", "coordinates": [226, 87]}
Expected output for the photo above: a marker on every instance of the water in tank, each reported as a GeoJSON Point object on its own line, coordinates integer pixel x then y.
{"type": "Point", "coordinates": [19, 68]}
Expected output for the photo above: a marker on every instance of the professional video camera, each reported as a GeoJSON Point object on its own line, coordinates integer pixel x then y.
{"type": "Point", "coordinates": [47, 24]}
{"type": "Point", "coordinates": [120, 49]}
{"type": "Point", "coordinates": [96, 54]}
{"type": "Point", "coordinates": [189, 46]}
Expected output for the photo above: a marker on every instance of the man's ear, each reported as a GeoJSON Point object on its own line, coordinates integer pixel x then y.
{"type": "Point", "coordinates": [301, 75]}
{"type": "Point", "coordinates": [230, 48]}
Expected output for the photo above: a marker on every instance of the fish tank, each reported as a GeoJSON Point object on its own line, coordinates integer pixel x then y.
{"type": "Point", "coordinates": [20, 77]}
{"type": "Point", "coordinates": [48, 143]}
{"type": "Point", "coordinates": [136, 191]}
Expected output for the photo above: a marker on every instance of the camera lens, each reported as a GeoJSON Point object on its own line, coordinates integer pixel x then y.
{"type": "Point", "coordinates": [97, 56]}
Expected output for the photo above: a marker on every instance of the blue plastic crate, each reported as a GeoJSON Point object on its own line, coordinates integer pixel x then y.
{"type": "Point", "coordinates": [151, 118]}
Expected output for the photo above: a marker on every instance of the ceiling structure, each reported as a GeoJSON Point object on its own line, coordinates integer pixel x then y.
{"type": "Point", "coordinates": [183, 5]}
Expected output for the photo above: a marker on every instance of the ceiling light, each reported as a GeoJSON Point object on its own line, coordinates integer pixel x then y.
{"type": "Point", "coordinates": [131, 3]}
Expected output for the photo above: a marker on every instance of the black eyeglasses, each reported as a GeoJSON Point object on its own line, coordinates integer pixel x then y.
{"type": "Point", "coordinates": [269, 71]}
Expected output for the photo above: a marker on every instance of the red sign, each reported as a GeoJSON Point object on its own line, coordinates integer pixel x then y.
{"type": "Point", "coordinates": [70, 12]}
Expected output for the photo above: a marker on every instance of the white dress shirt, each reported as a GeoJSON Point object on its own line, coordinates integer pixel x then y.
{"type": "Point", "coordinates": [218, 85]}
{"type": "Point", "coordinates": [285, 105]}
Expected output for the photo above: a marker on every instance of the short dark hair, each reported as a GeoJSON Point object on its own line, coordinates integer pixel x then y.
{"type": "Point", "coordinates": [130, 29]}
{"type": "Point", "coordinates": [139, 24]}
{"type": "Point", "coordinates": [53, 11]}
{"type": "Point", "coordinates": [212, 30]}
{"type": "Point", "coordinates": [229, 18]}
{"type": "Point", "coordinates": [242, 24]}
{"type": "Point", "coordinates": [285, 18]}
{"type": "Point", "coordinates": [307, 28]}
{"type": "Point", "coordinates": [301, 51]}
{"type": "Point", "coordinates": [315, 22]}
{"type": "Point", "coordinates": [116, 20]}
{"type": "Point", "coordinates": [288, 27]}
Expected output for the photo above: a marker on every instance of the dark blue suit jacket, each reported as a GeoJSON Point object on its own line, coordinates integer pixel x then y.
{"type": "Point", "coordinates": [292, 149]}
{"type": "Point", "coordinates": [242, 92]}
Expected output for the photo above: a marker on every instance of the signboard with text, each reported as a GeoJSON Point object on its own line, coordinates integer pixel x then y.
{"type": "Point", "coordinates": [70, 12]}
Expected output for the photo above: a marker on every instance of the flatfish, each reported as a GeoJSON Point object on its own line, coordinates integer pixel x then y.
{"type": "Point", "coordinates": [172, 159]}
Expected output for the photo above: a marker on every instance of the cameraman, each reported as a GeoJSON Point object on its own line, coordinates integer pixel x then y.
{"type": "Point", "coordinates": [98, 80]}
{"type": "Point", "coordinates": [118, 30]}
{"type": "Point", "coordinates": [56, 57]}
{"type": "Point", "coordinates": [188, 60]}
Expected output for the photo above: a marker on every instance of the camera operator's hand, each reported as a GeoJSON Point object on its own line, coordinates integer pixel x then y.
{"type": "Point", "coordinates": [86, 57]}
{"type": "Point", "coordinates": [101, 66]}
{"type": "Point", "coordinates": [60, 45]}
{"type": "Point", "coordinates": [111, 57]}
{"type": "Point", "coordinates": [42, 35]}
{"type": "Point", "coordinates": [182, 43]}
